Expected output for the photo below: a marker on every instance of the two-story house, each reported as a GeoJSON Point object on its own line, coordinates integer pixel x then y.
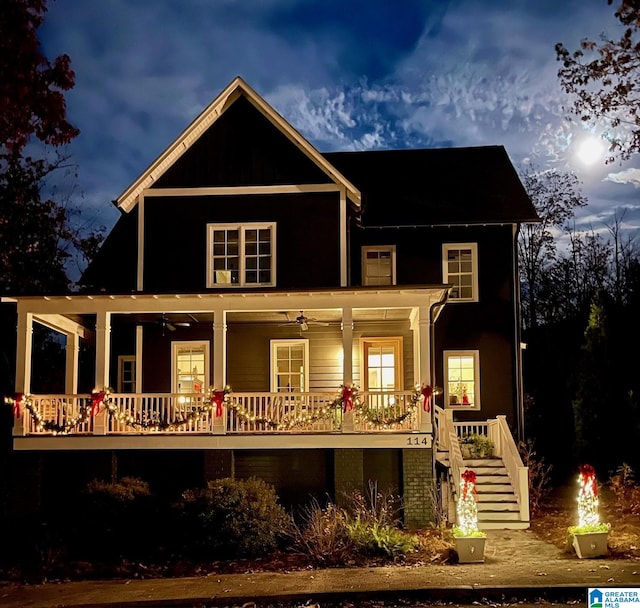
{"type": "Point", "coordinates": [263, 309]}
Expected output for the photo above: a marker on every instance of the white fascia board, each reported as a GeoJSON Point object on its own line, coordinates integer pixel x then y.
{"type": "Point", "coordinates": [62, 324]}
{"type": "Point", "coordinates": [240, 302]}
{"type": "Point", "coordinates": [128, 199]}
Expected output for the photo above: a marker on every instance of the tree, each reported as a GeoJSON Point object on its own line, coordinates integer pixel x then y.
{"type": "Point", "coordinates": [556, 196]}
{"type": "Point", "coordinates": [603, 80]}
{"type": "Point", "coordinates": [37, 234]}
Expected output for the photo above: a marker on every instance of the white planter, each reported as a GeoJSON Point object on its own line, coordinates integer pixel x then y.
{"type": "Point", "coordinates": [470, 549]}
{"type": "Point", "coordinates": [591, 544]}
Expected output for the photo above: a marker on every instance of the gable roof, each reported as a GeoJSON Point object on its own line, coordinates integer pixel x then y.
{"type": "Point", "coordinates": [436, 186]}
{"type": "Point", "coordinates": [238, 87]}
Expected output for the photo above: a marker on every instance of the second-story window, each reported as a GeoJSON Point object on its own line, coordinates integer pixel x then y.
{"type": "Point", "coordinates": [460, 267]}
{"type": "Point", "coordinates": [241, 255]}
{"type": "Point", "coordinates": [379, 265]}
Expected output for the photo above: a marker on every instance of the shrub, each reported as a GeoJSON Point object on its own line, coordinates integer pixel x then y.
{"type": "Point", "coordinates": [322, 535]}
{"type": "Point", "coordinates": [625, 489]}
{"type": "Point", "coordinates": [233, 518]}
{"type": "Point", "coordinates": [479, 446]}
{"type": "Point", "coordinates": [539, 475]}
{"type": "Point", "coordinates": [371, 538]}
{"type": "Point", "coordinates": [116, 520]}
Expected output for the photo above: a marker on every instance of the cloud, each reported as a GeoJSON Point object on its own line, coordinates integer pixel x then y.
{"type": "Point", "coordinates": [628, 176]}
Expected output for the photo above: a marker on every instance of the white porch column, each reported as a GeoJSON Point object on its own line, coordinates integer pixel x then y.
{"type": "Point", "coordinates": [219, 364]}
{"type": "Point", "coordinates": [424, 364]}
{"type": "Point", "coordinates": [103, 351]}
{"type": "Point", "coordinates": [139, 342]}
{"type": "Point", "coordinates": [71, 364]}
{"type": "Point", "coordinates": [347, 360]}
{"type": "Point", "coordinates": [23, 365]}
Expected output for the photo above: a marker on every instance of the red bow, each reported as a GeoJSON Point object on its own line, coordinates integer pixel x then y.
{"type": "Point", "coordinates": [18, 400]}
{"type": "Point", "coordinates": [426, 392]}
{"type": "Point", "coordinates": [588, 474]}
{"type": "Point", "coordinates": [218, 398]}
{"type": "Point", "coordinates": [469, 478]}
{"type": "Point", "coordinates": [97, 399]}
{"type": "Point", "coordinates": [347, 398]}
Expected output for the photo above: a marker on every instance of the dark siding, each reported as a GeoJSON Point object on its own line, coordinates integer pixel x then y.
{"type": "Point", "coordinates": [115, 266]}
{"type": "Point", "coordinates": [242, 148]}
{"type": "Point", "coordinates": [307, 238]}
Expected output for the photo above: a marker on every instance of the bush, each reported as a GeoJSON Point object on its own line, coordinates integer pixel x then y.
{"type": "Point", "coordinates": [624, 487]}
{"type": "Point", "coordinates": [116, 520]}
{"type": "Point", "coordinates": [233, 518]}
{"type": "Point", "coordinates": [539, 475]}
{"type": "Point", "coordinates": [322, 535]}
{"type": "Point", "coordinates": [371, 538]}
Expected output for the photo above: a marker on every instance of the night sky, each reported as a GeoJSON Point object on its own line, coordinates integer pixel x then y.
{"type": "Point", "coordinates": [348, 74]}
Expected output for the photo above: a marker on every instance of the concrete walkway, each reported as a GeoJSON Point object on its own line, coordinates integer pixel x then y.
{"type": "Point", "coordinates": [517, 566]}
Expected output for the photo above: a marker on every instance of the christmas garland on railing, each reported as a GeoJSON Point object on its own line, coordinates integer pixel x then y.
{"type": "Point", "coordinates": [348, 399]}
{"type": "Point", "coordinates": [212, 402]}
{"type": "Point", "coordinates": [20, 400]}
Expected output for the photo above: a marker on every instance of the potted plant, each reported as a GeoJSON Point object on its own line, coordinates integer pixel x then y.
{"type": "Point", "coordinates": [469, 540]}
{"type": "Point", "coordinates": [590, 537]}
{"type": "Point", "coordinates": [476, 446]}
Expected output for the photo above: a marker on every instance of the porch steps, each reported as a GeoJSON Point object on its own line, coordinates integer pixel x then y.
{"type": "Point", "coordinates": [497, 504]}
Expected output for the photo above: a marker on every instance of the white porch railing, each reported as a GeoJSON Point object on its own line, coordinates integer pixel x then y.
{"type": "Point", "coordinates": [172, 413]}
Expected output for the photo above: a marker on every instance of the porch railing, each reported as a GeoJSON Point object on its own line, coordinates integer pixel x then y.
{"type": "Point", "coordinates": [172, 413]}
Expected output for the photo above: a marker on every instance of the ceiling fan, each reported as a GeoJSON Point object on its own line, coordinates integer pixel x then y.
{"type": "Point", "coordinates": [172, 325]}
{"type": "Point", "coordinates": [303, 322]}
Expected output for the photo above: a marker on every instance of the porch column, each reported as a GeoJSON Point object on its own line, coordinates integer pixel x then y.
{"type": "Point", "coordinates": [347, 361]}
{"type": "Point", "coordinates": [219, 364]}
{"type": "Point", "coordinates": [71, 364]}
{"type": "Point", "coordinates": [103, 349]}
{"type": "Point", "coordinates": [23, 364]}
{"type": "Point", "coordinates": [424, 364]}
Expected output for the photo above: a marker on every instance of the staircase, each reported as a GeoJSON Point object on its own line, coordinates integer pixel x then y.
{"type": "Point", "coordinates": [501, 481]}
{"type": "Point", "coordinates": [498, 507]}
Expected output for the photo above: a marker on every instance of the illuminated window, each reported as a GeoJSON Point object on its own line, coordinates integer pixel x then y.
{"type": "Point", "coordinates": [462, 386]}
{"type": "Point", "coordinates": [190, 365]}
{"type": "Point", "coordinates": [241, 255]}
{"type": "Point", "coordinates": [460, 267]}
{"type": "Point", "coordinates": [382, 364]}
{"type": "Point", "coordinates": [289, 366]}
{"type": "Point", "coordinates": [379, 265]}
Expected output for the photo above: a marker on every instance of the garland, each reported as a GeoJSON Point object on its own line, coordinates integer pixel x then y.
{"type": "Point", "coordinates": [348, 399]}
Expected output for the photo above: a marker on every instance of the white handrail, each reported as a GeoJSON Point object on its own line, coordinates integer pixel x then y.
{"type": "Point", "coordinates": [518, 473]}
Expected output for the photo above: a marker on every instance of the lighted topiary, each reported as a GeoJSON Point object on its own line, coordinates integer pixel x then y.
{"type": "Point", "coordinates": [467, 507]}
{"type": "Point", "coordinates": [588, 516]}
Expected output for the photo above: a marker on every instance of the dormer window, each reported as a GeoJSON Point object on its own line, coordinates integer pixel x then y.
{"type": "Point", "coordinates": [460, 267]}
{"type": "Point", "coordinates": [379, 265]}
{"type": "Point", "coordinates": [241, 255]}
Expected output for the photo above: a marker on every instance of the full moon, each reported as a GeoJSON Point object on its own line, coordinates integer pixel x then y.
{"type": "Point", "coordinates": [590, 150]}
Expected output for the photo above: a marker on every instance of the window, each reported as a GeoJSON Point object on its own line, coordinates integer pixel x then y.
{"type": "Point", "coordinates": [289, 362]}
{"type": "Point", "coordinates": [382, 363]}
{"type": "Point", "coordinates": [462, 385]}
{"type": "Point", "coordinates": [241, 255]}
{"type": "Point", "coordinates": [460, 267]}
{"type": "Point", "coordinates": [379, 265]}
{"type": "Point", "coordinates": [190, 367]}
{"type": "Point", "coordinates": [126, 374]}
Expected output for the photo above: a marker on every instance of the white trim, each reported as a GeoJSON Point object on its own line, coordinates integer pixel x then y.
{"type": "Point", "coordinates": [343, 238]}
{"type": "Point", "coordinates": [476, 373]}
{"type": "Point", "coordinates": [273, 345]}
{"type": "Point", "coordinates": [175, 345]}
{"type": "Point", "coordinates": [140, 267]}
{"type": "Point", "coordinates": [243, 190]}
{"type": "Point", "coordinates": [246, 301]}
{"type": "Point", "coordinates": [474, 263]}
{"type": "Point", "coordinates": [127, 200]}
{"type": "Point", "coordinates": [139, 343]}
{"type": "Point", "coordinates": [242, 228]}
{"type": "Point", "coordinates": [256, 441]}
